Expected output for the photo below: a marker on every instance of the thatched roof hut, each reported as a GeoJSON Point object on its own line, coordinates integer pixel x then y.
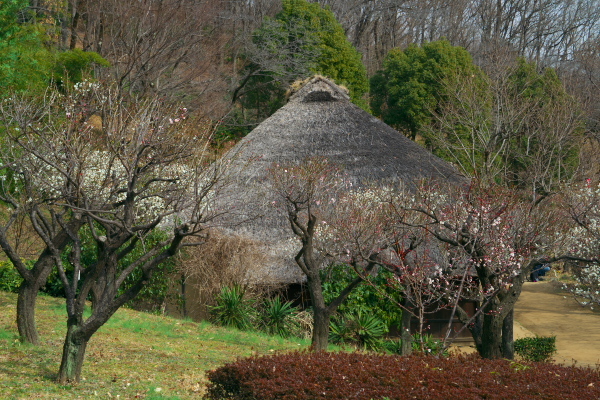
{"type": "Point", "coordinates": [319, 120]}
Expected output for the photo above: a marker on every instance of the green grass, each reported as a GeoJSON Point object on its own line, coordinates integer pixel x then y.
{"type": "Point", "coordinates": [135, 355]}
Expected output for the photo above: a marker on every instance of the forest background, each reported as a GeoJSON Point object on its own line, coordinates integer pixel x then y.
{"type": "Point", "coordinates": [206, 53]}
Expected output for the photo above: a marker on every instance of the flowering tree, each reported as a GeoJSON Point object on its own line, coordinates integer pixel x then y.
{"type": "Point", "coordinates": [583, 204]}
{"type": "Point", "coordinates": [22, 201]}
{"type": "Point", "coordinates": [319, 206]}
{"type": "Point", "coordinates": [362, 226]}
{"type": "Point", "coordinates": [444, 244]}
{"type": "Point", "coordinates": [136, 170]}
{"type": "Point", "coordinates": [430, 281]}
{"type": "Point", "coordinates": [356, 226]}
{"type": "Point", "coordinates": [498, 239]}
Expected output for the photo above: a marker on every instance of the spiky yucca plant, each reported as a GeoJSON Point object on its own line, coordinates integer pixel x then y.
{"type": "Point", "coordinates": [278, 317]}
{"type": "Point", "coordinates": [234, 308]}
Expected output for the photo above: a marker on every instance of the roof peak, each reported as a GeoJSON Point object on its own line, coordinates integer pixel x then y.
{"type": "Point", "coordinates": [317, 89]}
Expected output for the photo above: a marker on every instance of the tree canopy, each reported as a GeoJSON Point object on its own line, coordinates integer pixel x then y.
{"type": "Point", "coordinates": [406, 92]}
{"type": "Point", "coordinates": [24, 59]}
{"type": "Point", "coordinates": [29, 60]}
{"type": "Point", "coordinates": [517, 127]}
{"type": "Point", "coordinates": [302, 40]}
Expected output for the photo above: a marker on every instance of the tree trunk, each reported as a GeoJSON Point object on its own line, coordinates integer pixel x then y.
{"type": "Point", "coordinates": [184, 310]}
{"type": "Point", "coordinates": [405, 334]}
{"type": "Point", "coordinates": [26, 313]}
{"type": "Point", "coordinates": [491, 337]}
{"type": "Point", "coordinates": [33, 280]}
{"type": "Point", "coordinates": [73, 354]}
{"type": "Point", "coordinates": [321, 313]}
{"type": "Point", "coordinates": [508, 344]}
{"type": "Point", "coordinates": [28, 292]}
{"type": "Point", "coordinates": [320, 338]}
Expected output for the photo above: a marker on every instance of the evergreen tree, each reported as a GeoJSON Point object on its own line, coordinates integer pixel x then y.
{"type": "Point", "coordinates": [24, 59]}
{"type": "Point", "coordinates": [543, 145]}
{"type": "Point", "coordinates": [519, 128]}
{"type": "Point", "coordinates": [302, 40]}
{"type": "Point", "coordinates": [407, 91]}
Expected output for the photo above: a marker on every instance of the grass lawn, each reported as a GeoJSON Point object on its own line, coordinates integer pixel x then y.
{"type": "Point", "coordinates": [135, 355]}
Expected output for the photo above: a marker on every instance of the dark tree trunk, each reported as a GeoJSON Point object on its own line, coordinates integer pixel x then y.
{"type": "Point", "coordinates": [73, 354]}
{"type": "Point", "coordinates": [321, 314]}
{"type": "Point", "coordinates": [26, 313]}
{"type": "Point", "coordinates": [320, 338]}
{"type": "Point", "coordinates": [27, 297]}
{"type": "Point", "coordinates": [508, 344]}
{"type": "Point", "coordinates": [33, 280]}
{"type": "Point", "coordinates": [184, 310]}
{"type": "Point", "coordinates": [491, 337]}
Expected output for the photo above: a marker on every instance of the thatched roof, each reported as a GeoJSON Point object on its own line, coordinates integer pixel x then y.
{"type": "Point", "coordinates": [319, 120]}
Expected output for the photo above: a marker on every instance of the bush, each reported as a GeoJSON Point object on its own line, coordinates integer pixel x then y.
{"type": "Point", "coordinates": [380, 296]}
{"type": "Point", "coordinates": [234, 309]}
{"type": "Point", "coordinates": [222, 261]}
{"type": "Point", "coordinates": [360, 329]}
{"type": "Point", "coordinates": [537, 348]}
{"type": "Point", "coordinates": [278, 317]}
{"type": "Point", "coordinates": [10, 280]}
{"type": "Point", "coordinates": [362, 376]}
{"type": "Point", "coordinates": [428, 345]}
{"type": "Point", "coordinates": [392, 346]}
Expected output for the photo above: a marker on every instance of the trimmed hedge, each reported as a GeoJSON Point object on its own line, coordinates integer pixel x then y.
{"type": "Point", "coordinates": [301, 375]}
{"type": "Point", "coordinates": [539, 348]}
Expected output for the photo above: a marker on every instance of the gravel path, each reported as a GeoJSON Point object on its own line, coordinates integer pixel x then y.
{"type": "Point", "coordinates": [543, 310]}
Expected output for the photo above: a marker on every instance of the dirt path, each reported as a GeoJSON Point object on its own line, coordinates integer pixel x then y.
{"type": "Point", "coordinates": [544, 311]}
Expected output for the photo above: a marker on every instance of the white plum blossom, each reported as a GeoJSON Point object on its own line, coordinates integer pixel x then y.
{"type": "Point", "coordinates": [583, 241]}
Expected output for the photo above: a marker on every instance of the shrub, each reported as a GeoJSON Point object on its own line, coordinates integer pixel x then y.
{"type": "Point", "coordinates": [303, 324]}
{"type": "Point", "coordinates": [428, 345]}
{"type": "Point", "coordinates": [361, 329]}
{"type": "Point", "coordinates": [364, 376]}
{"type": "Point", "coordinates": [234, 309]}
{"type": "Point", "coordinates": [392, 346]}
{"type": "Point", "coordinates": [10, 280]}
{"type": "Point", "coordinates": [278, 317]}
{"type": "Point", "coordinates": [222, 261]}
{"type": "Point", "coordinates": [539, 348]}
{"type": "Point", "coordinates": [380, 296]}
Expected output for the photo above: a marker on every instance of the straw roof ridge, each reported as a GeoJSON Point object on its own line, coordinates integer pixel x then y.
{"type": "Point", "coordinates": [317, 88]}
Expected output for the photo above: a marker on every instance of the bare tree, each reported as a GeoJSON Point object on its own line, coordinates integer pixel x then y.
{"type": "Point", "coordinates": [547, 31]}
{"type": "Point", "coordinates": [140, 170]}
{"type": "Point", "coordinates": [518, 127]}
{"type": "Point", "coordinates": [170, 48]}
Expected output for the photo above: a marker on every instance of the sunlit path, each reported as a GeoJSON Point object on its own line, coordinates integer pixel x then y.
{"type": "Point", "coordinates": [545, 311]}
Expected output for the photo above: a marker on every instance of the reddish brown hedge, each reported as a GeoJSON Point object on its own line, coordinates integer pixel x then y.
{"type": "Point", "coordinates": [314, 376]}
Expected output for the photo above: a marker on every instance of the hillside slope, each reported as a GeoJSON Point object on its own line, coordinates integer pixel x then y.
{"type": "Point", "coordinates": [135, 355]}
